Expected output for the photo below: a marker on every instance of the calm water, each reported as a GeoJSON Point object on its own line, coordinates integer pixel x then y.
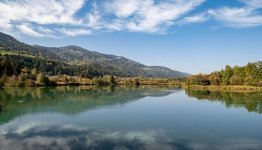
{"type": "Point", "coordinates": [128, 118]}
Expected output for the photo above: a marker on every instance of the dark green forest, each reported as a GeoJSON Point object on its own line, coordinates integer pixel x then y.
{"type": "Point", "coordinates": [14, 65]}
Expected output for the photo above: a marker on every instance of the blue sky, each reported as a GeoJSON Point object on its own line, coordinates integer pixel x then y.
{"type": "Point", "coordinates": [187, 35]}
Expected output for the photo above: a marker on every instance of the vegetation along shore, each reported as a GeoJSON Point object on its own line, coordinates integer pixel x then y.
{"type": "Point", "coordinates": [30, 65]}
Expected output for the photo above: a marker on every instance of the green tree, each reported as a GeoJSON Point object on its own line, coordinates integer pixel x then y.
{"type": "Point", "coordinates": [250, 70]}
{"type": "Point", "coordinates": [226, 75]}
{"type": "Point", "coordinates": [248, 80]}
{"type": "Point", "coordinates": [239, 71]}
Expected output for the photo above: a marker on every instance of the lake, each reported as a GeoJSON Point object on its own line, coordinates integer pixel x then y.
{"type": "Point", "coordinates": [145, 117]}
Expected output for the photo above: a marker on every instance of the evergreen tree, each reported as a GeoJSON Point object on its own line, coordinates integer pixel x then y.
{"type": "Point", "coordinates": [226, 75]}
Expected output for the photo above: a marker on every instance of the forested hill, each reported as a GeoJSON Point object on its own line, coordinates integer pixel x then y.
{"type": "Point", "coordinates": [72, 60]}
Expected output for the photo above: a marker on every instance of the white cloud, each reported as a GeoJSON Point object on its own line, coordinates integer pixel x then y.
{"type": "Point", "coordinates": [53, 18]}
{"type": "Point", "coordinates": [252, 3]}
{"type": "Point", "coordinates": [194, 19]}
{"type": "Point", "coordinates": [5, 26]}
{"type": "Point", "coordinates": [44, 30]}
{"type": "Point", "coordinates": [125, 8]}
{"type": "Point", "coordinates": [149, 16]}
{"type": "Point", "coordinates": [75, 32]}
{"type": "Point", "coordinates": [41, 12]}
{"type": "Point", "coordinates": [26, 29]}
{"type": "Point", "coordinates": [24, 15]}
{"type": "Point", "coordinates": [50, 18]}
{"type": "Point", "coordinates": [246, 16]}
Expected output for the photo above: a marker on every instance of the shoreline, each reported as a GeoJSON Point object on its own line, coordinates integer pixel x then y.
{"type": "Point", "coordinates": [229, 88]}
{"type": "Point", "coordinates": [102, 85]}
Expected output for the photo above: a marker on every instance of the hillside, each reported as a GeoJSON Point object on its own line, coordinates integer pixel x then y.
{"type": "Point", "coordinates": [73, 60]}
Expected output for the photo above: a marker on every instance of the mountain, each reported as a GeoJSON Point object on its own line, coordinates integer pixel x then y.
{"type": "Point", "coordinates": [73, 60]}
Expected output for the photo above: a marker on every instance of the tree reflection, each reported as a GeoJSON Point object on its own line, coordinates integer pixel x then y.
{"type": "Point", "coordinates": [69, 99]}
{"type": "Point", "coordinates": [251, 101]}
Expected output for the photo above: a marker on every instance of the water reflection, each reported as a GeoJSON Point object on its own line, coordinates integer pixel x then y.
{"type": "Point", "coordinates": [41, 135]}
{"type": "Point", "coordinates": [69, 137]}
{"type": "Point", "coordinates": [89, 117]}
{"type": "Point", "coordinates": [65, 99]}
{"type": "Point", "coordinates": [250, 101]}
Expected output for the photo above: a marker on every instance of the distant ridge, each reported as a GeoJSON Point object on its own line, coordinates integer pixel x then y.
{"type": "Point", "coordinates": [90, 62]}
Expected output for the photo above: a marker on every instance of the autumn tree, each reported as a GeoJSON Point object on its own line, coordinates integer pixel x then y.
{"type": "Point", "coordinates": [236, 80]}
{"type": "Point", "coordinates": [215, 78]}
{"type": "Point", "coordinates": [42, 79]}
{"type": "Point", "coordinates": [21, 79]}
{"type": "Point", "coordinates": [33, 73]}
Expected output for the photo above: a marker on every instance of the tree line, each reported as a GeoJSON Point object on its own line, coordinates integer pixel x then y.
{"type": "Point", "coordinates": [249, 75]}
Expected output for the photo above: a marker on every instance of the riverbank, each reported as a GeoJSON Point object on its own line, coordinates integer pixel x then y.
{"type": "Point", "coordinates": [231, 88]}
{"type": "Point", "coordinates": [64, 80]}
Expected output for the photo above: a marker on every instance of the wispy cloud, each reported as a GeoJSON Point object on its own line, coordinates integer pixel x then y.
{"type": "Point", "coordinates": [198, 18]}
{"type": "Point", "coordinates": [149, 16]}
{"type": "Point", "coordinates": [52, 18]}
{"type": "Point", "coordinates": [41, 12]}
{"type": "Point", "coordinates": [27, 29]}
{"type": "Point", "coordinates": [246, 16]}
{"type": "Point", "coordinates": [75, 32]}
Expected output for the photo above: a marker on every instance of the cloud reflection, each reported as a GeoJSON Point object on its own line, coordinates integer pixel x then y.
{"type": "Point", "coordinates": [47, 135]}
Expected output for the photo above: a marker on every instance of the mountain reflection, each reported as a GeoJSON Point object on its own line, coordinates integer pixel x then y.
{"type": "Point", "coordinates": [251, 101]}
{"type": "Point", "coordinates": [65, 99]}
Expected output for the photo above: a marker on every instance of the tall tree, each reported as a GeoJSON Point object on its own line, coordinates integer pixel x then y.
{"type": "Point", "coordinates": [226, 75]}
